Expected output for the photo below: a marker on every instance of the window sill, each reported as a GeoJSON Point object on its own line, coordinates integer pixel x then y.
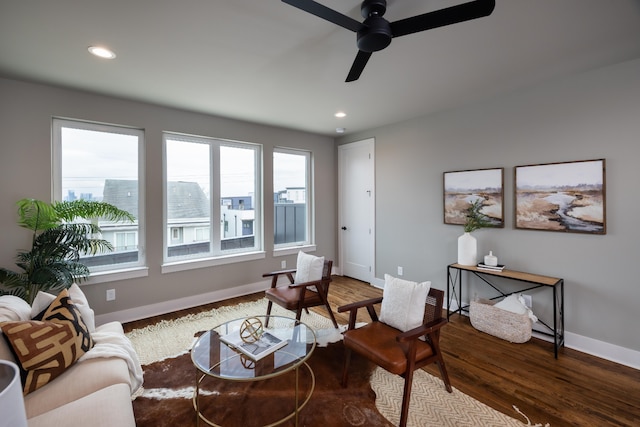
{"type": "Point", "coordinates": [193, 264]}
{"type": "Point", "coordinates": [115, 275]}
{"type": "Point", "coordinates": [293, 250]}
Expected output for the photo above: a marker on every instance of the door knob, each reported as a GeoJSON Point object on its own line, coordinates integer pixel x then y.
{"type": "Point", "coordinates": [344, 228]}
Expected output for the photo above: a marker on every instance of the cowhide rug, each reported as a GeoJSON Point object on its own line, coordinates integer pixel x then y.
{"type": "Point", "coordinates": [169, 384]}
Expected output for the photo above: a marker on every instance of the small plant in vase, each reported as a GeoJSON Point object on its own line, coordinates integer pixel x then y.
{"type": "Point", "coordinates": [467, 244]}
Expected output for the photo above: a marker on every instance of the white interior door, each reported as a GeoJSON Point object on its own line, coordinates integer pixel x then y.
{"type": "Point", "coordinates": [356, 199]}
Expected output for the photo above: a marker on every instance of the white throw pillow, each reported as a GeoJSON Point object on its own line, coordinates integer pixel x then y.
{"type": "Point", "coordinates": [81, 302]}
{"type": "Point", "coordinates": [309, 268]}
{"type": "Point", "coordinates": [41, 302]}
{"type": "Point", "coordinates": [403, 303]}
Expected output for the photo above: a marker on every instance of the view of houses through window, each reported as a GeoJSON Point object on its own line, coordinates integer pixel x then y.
{"type": "Point", "coordinates": [291, 202]}
{"type": "Point", "coordinates": [102, 162]}
{"type": "Point", "coordinates": [202, 174]}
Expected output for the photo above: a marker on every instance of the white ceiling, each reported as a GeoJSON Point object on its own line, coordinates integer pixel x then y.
{"type": "Point", "coordinates": [268, 62]}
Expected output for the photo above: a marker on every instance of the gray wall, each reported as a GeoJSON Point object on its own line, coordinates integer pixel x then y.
{"type": "Point", "coordinates": [25, 171]}
{"type": "Point", "coordinates": [588, 116]}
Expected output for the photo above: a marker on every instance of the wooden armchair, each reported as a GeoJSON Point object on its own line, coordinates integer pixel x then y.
{"type": "Point", "coordinates": [296, 297]}
{"type": "Point", "coordinates": [397, 352]}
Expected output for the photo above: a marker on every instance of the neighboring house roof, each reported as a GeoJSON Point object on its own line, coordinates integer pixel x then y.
{"type": "Point", "coordinates": [185, 199]}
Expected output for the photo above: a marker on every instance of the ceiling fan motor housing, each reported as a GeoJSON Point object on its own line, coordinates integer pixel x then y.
{"type": "Point", "coordinates": [374, 35]}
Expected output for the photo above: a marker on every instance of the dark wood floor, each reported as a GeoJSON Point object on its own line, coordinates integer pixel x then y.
{"type": "Point", "coordinates": [575, 390]}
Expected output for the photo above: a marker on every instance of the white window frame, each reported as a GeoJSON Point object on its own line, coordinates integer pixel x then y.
{"type": "Point", "coordinates": [216, 256]}
{"type": "Point", "coordinates": [112, 272]}
{"type": "Point", "coordinates": [309, 243]}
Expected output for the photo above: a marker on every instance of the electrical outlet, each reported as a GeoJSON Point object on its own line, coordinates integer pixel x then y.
{"type": "Point", "coordinates": [400, 271]}
{"type": "Point", "coordinates": [528, 301]}
{"type": "Point", "coordinates": [283, 263]}
{"type": "Point", "coordinates": [111, 294]}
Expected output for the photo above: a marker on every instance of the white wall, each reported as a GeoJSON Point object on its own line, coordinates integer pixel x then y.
{"type": "Point", "coordinates": [588, 116]}
{"type": "Point", "coordinates": [26, 110]}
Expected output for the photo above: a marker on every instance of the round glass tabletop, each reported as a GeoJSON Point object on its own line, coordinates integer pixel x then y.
{"type": "Point", "coordinates": [218, 352]}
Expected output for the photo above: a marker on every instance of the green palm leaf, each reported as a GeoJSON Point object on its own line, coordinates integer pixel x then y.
{"type": "Point", "coordinates": [62, 233]}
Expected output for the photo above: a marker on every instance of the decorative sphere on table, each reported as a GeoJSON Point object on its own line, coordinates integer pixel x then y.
{"type": "Point", "coordinates": [251, 330]}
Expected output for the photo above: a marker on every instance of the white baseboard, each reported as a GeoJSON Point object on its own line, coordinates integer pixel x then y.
{"type": "Point", "coordinates": [604, 350]}
{"type": "Point", "coordinates": [165, 307]}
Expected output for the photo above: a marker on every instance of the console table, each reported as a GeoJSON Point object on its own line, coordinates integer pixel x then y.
{"type": "Point", "coordinates": [529, 281]}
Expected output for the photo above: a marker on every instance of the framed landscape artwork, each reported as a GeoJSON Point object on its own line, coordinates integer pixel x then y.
{"type": "Point", "coordinates": [461, 188]}
{"type": "Point", "coordinates": [568, 197]}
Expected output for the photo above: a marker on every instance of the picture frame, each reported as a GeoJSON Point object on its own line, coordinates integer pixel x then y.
{"type": "Point", "coordinates": [566, 197]}
{"type": "Point", "coordinates": [461, 188]}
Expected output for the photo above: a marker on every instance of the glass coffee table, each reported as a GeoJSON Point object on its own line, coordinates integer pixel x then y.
{"type": "Point", "coordinates": [215, 359]}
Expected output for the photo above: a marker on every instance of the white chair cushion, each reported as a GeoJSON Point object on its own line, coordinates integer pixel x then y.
{"type": "Point", "coordinates": [403, 302]}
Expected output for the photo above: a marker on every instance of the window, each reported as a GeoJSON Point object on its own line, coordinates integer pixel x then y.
{"type": "Point", "coordinates": [292, 198]}
{"type": "Point", "coordinates": [103, 162]}
{"type": "Point", "coordinates": [210, 187]}
{"type": "Point", "coordinates": [125, 241]}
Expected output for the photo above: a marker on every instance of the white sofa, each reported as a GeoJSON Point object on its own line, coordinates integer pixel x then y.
{"type": "Point", "coordinates": [96, 390]}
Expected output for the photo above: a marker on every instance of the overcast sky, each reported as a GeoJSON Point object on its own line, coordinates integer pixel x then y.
{"type": "Point", "coordinates": [116, 156]}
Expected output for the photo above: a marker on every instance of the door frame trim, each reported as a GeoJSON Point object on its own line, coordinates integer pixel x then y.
{"type": "Point", "coordinates": [369, 142]}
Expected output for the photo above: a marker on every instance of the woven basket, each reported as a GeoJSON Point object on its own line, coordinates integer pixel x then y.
{"type": "Point", "coordinates": [500, 323]}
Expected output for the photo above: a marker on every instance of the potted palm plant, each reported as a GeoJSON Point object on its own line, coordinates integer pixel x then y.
{"type": "Point", "coordinates": [61, 233]}
{"type": "Point", "coordinates": [467, 244]}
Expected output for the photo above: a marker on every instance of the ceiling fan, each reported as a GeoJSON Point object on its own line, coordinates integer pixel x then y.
{"type": "Point", "coordinates": [375, 32]}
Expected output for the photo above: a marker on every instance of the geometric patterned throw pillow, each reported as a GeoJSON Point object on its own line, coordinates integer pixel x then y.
{"type": "Point", "coordinates": [44, 350]}
{"type": "Point", "coordinates": [47, 345]}
{"type": "Point", "coordinates": [63, 310]}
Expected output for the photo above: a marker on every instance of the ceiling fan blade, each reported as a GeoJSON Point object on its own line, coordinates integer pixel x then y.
{"type": "Point", "coordinates": [324, 12]}
{"type": "Point", "coordinates": [440, 18]}
{"type": "Point", "coordinates": [358, 65]}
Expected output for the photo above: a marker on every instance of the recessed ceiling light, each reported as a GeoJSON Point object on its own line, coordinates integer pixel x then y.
{"type": "Point", "coordinates": [340, 114]}
{"type": "Point", "coordinates": [102, 52]}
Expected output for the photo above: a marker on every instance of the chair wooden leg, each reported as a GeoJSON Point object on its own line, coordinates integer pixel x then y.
{"type": "Point", "coordinates": [345, 370]}
{"type": "Point", "coordinates": [406, 398]}
{"type": "Point", "coordinates": [444, 375]}
{"type": "Point", "coordinates": [328, 307]}
{"type": "Point", "coordinates": [269, 305]}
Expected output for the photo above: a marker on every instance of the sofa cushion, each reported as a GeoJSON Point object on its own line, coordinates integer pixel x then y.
{"type": "Point", "coordinates": [107, 407]}
{"type": "Point", "coordinates": [83, 378]}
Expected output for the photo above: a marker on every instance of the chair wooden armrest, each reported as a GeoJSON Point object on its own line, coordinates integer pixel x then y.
{"type": "Point", "coordinates": [424, 329]}
{"type": "Point", "coordinates": [276, 273]}
{"type": "Point", "coordinates": [306, 284]}
{"type": "Point", "coordinates": [354, 306]}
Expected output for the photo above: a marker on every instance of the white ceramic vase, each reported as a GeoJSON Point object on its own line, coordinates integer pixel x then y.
{"type": "Point", "coordinates": [467, 250]}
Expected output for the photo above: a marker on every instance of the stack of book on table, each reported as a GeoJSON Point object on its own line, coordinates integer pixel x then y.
{"type": "Point", "coordinates": [482, 266]}
{"type": "Point", "coordinates": [256, 350]}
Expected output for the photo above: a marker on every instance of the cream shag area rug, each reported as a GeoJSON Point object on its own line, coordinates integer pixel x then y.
{"type": "Point", "coordinates": [431, 405]}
